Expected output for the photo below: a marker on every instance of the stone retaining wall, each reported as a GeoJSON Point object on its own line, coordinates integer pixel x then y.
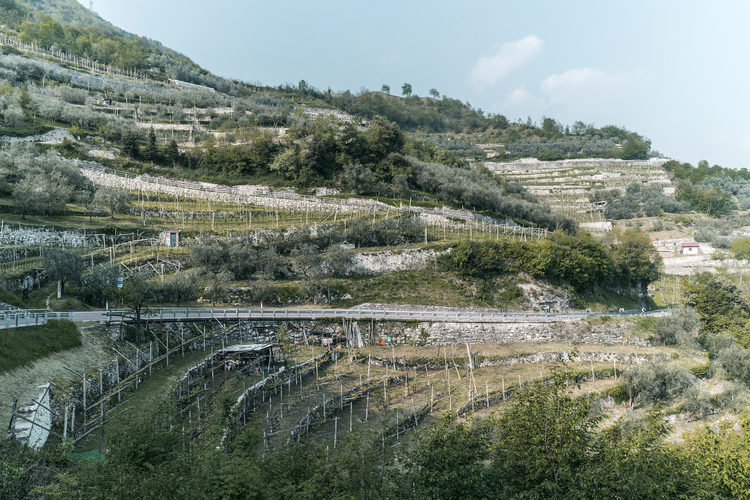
{"type": "Point", "coordinates": [388, 262]}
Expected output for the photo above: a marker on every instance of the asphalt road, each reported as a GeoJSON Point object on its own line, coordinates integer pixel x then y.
{"type": "Point", "coordinates": [30, 318]}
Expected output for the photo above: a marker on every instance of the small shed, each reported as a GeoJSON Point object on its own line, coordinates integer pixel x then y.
{"type": "Point", "coordinates": [690, 248]}
{"type": "Point", "coordinates": [245, 356]}
{"type": "Point", "coordinates": [170, 238]}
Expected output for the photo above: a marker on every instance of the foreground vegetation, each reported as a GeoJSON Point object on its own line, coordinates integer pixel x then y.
{"type": "Point", "coordinates": [510, 455]}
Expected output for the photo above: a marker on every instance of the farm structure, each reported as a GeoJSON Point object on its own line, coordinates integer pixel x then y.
{"type": "Point", "coordinates": [245, 356]}
{"type": "Point", "coordinates": [690, 248]}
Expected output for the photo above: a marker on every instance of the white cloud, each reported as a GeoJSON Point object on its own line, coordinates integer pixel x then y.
{"type": "Point", "coordinates": [519, 103]}
{"type": "Point", "coordinates": [585, 85]}
{"type": "Point", "coordinates": [489, 70]}
{"type": "Point", "coordinates": [587, 94]}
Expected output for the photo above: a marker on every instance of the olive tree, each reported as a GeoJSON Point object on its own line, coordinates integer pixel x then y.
{"type": "Point", "coordinates": [64, 266]}
{"type": "Point", "coordinates": [113, 200]}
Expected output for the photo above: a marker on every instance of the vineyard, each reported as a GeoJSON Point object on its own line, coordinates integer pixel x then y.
{"type": "Point", "coordinates": [565, 185]}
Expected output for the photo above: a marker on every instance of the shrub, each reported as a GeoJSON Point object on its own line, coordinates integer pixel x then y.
{"type": "Point", "coordinates": [735, 361]}
{"type": "Point", "coordinates": [73, 96]}
{"type": "Point", "coordinates": [656, 382]}
{"type": "Point", "coordinates": [681, 327]}
{"type": "Point", "coordinates": [741, 248]}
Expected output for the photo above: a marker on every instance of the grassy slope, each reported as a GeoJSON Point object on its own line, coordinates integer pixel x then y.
{"type": "Point", "coordinates": [9, 298]}
{"type": "Point", "coordinates": [21, 382]}
{"type": "Point", "coordinates": [25, 345]}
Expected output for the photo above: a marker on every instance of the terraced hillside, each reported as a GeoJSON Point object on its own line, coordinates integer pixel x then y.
{"type": "Point", "coordinates": [566, 184]}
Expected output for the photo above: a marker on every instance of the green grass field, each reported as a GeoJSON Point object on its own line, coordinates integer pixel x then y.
{"type": "Point", "coordinates": [22, 346]}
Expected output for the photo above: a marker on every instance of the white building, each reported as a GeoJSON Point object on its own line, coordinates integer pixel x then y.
{"type": "Point", "coordinates": [690, 248]}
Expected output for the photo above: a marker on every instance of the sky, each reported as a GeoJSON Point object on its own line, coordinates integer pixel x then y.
{"type": "Point", "coordinates": [674, 71]}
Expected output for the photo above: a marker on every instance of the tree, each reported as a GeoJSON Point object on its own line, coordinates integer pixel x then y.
{"type": "Point", "coordinates": [434, 93]}
{"type": "Point", "coordinates": [542, 441]}
{"type": "Point", "coordinates": [447, 463]}
{"type": "Point", "coordinates": [173, 152]}
{"type": "Point", "coordinates": [338, 261]}
{"type": "Point", "coordinates": [721, 306]}
{"type": "Point", "coordinates": [135, 295]}
{"type": "Point", "coordinates": [64, 266]}
{"type": "Point", "coordinates": [306, 262]}
{"type": "Point", "coordinates": [636, 260]}
{"type": "Point", "coordinates": [636, 148]}
{"type": "Point", "coordinates": [152, 151]}
{"type": "Point", "coordinates": [287, 163]}
{"type": "Point", "coordinates": [721, 460]}
{"type": "Point", "coordinates": [360, 179]}
{"type": "Point", "coordinates": [130, 144]}
{"type": "Point", "coordinates": [383, 138]}
{"type": "Point", "coordinates": [99, 286]}
{"type": "Point", "coordinates": [25, 194]}
{"type": "Point", "coordinates": [406, 89]}
{"type": "Point", "coordinates": [579, 260]}
{"type": "Point", "coordinates": [656, 382]}
{"type": "Point", "coordinates": [13, 116]}
{"type": "Point", "coordinates": [216, 285]}
{"type": "Point", "coordinates": [178, 288]}
{"type": "Point", "coordinates": [550, 127]}
{"type": "Point", "coordinates": [112, 199]}
{"type": "Point", "coordinates": [386, 89]}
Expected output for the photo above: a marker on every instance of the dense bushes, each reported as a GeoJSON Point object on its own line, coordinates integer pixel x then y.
{"type": "Point", "coordinates": [45, 182]}
{"type": "Point", "coordinates": [680, 328]}
{"type": "Point", "coordinates": [578, 260]}
{"type": "Point", "coordinates": [710, 189]}
{"type": "Point", "coordinates": [721, 306]}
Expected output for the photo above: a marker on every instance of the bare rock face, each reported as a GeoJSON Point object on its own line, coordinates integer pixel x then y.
{"type": "Point", "coordinates": [543, 297]}
{"type": "Point", "coordinates": [388, 262]}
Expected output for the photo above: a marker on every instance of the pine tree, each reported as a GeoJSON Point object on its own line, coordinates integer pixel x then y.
{"type": "Point", "coordinates": [173, 152]}
{"type": "Point", "coordinates": [152, 151]}
{"type": "Point", "coordinates": [130, 144]}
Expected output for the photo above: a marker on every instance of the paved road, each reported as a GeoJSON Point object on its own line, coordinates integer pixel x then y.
{"type": "Point", "coordinates": [30, 318]}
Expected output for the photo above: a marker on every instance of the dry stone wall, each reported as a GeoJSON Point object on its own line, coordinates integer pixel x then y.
{"type": "Point", "coordinates": [54, 136]}
{"type": "Point", "coordinates": [42, 236]}
{"type": "Point", "coordinates": [425, 333]}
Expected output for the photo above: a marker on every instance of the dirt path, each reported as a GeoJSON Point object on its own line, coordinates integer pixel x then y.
{"type": "Point", "coordinates": [22, 381]}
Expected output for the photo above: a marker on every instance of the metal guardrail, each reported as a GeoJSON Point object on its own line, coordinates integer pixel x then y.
{"type": "Point", "coordinates": [394, 315]}
{"type": "Point", "coordinates": [30, 317]}
{"type": "Point", "coordinates": [23, 318]}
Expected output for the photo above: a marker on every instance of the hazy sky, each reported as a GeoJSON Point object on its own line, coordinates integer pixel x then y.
{"type": "Point", "coordinates": [675, 71]}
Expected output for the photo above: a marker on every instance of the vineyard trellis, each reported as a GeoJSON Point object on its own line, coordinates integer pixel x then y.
{"type": "Point", "coordinates": [80, 62]}
{"type": "Point", "coordinates": [321, 209]}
